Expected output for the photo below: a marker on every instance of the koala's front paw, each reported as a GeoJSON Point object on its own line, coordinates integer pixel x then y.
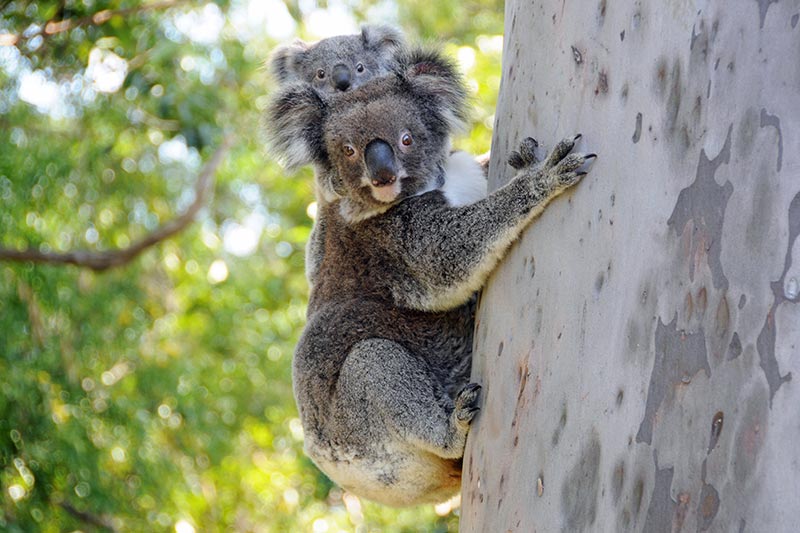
{"type": "Point", "coordinates": [560, 167]}
{"type": "Point", "coordinates": [525, 156]}
{"type": "Point", "coordinates": [467, 403]}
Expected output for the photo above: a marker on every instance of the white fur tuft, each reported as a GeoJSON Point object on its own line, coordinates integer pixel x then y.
{"type": "Point", "coordinates": [464, 182]}
{"type": "Point", "coordinates": [294, 155]}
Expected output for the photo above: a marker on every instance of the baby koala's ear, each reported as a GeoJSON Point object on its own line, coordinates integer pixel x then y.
{"type": "Point", "coordinates": [284, 59]}
{"type": "Point", "coordinates": [294, 122]}
{"type": "Point", "coordinates": [435, 80]}
{"type": "Point", "coordinates": [382, 38]}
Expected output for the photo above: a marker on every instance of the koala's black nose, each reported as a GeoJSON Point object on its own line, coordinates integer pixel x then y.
{"type": "Point", "coordinates": [341, 77]}
{"type": "Point", "coordinates": [379, 158]}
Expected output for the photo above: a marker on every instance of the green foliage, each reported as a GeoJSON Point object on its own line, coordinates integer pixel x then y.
{"type": "Point", "coordinates": [157, 395]}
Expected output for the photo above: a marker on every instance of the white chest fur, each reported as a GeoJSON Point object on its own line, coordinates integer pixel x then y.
{"type": "Point", "coordinates": [464, 180]}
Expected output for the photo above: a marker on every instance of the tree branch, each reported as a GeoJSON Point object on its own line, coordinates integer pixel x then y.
{"type": "Point", "coordinates": [88, 517]}
{"type": "Point", "coordinates": [52, 27]}
{"type": "Point", "coordinates": [99, 261]}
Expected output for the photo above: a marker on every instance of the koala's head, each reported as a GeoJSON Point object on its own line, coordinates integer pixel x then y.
{"type": "Point", "coordinates": [378, 144]}
{"type": "Point", "coordinates": [339, 63]}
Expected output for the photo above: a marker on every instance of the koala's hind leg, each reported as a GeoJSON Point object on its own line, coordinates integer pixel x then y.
{"type": "Point", "coordinates": [400, 392]}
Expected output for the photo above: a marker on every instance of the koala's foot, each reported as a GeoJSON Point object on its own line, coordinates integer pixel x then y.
{"type": "Point", "coordinates": [467, 404]}
{"type": "Point", "coordinates": [558, 171]}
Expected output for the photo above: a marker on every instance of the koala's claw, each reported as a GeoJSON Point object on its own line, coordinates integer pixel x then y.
{"type": "Point", "coordinates": [468, 395]}
{"type": "Point", "coordinates": [526, 155]}
{"type": "Point", "coordinates": [515, 160]}
{"type": "Point", "coordinates": [467, 403]}
{"type": "Point", "coordinates": [527, 148]}
{"type": "Point", "coordinates": [466, 415]}
{"type": "Point", "coordinates": [570, 163]}
{"type": "Point", "coordinates": [569, 179]}
{"type": "Point", "coordinates": [560, 151]}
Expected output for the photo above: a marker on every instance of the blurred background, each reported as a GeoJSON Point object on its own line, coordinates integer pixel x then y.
{"type": "Point", "coordinates": [155, 395]}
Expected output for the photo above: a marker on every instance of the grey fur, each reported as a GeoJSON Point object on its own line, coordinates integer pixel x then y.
{"type": "Point", "coordinates": [381, 370]}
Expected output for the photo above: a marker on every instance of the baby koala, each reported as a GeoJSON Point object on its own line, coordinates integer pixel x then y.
{"type": "Point", "coordinates": [381, 369]}
{"type": "Point", "coordinates": [339, 63]}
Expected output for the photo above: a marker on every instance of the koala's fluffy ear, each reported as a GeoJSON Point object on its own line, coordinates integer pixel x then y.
{"type": "Point", "coordinates": [294, 124]}
{"type": "Point", "coordinates": [283, 59]}
{"type": "Point", "coordinates": [382, 39]}
{"type": "Point", "coordinates": [438, 84]}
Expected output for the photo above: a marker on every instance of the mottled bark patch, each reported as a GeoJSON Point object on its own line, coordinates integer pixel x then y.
{"type": "Point", "coordinates": [765, 344]}
{"type": "Point", "coordinates": [662, 506]}
{"type": "Point", "coordinates": [763, 6]}
{"type": "Point", "coordinates": [679, 356]}
{"type": "Point", "coordinates": [703, 203]}
{"type": "Point", "coordinates": [579, 492]}
{"type": "Point", "coordinates": [775, 122]}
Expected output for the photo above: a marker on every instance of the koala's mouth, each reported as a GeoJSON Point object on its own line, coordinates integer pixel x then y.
{"type": "Point", "coordinates": [385, 192]}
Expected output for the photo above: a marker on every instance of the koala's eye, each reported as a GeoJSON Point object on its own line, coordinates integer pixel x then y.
{"type": "Point", "coordinates": [406, 139]}
{"type": "Point", "coordinates": [348, 150]}
{"type": "Point", "coordinates": [320, 74]}
{"type": "Point", "coordinates": [359, 68]}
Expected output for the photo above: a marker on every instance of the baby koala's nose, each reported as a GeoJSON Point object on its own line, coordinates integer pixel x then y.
{"type": "Point", "coordinates": [379, 158]}
{"type": "Point", "coordinates": [341, 77]}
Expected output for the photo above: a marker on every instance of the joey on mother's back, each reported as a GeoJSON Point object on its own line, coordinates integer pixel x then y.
{"type": "Point", "coordinates": [339, 63]}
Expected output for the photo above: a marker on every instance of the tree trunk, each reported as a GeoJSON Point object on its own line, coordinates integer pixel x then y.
{"type": "Point", "coordinates": [637, 345]}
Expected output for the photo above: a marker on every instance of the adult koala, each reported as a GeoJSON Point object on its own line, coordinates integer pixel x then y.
{"type": "Point", "coordinates": [381, 370]}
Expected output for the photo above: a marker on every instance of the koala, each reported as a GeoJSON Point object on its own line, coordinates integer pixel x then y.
{"type": "Point", "coordinates": [381, 371]}
{"type": "Point", "coordinates": [339, 63]}
{"type": "Point", "coordinates": [343, 63]}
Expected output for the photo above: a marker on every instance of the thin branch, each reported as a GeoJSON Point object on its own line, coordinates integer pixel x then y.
{"type": "Point", "coordinates": [88, 517]}
{"type": "Point", "coordinates": [52, 27]}
{"type": "Point", "coordinates": [99, 261]}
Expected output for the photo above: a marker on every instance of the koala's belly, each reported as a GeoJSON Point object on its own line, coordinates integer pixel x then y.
{"type": "Point", "coordinates": [400, 478]}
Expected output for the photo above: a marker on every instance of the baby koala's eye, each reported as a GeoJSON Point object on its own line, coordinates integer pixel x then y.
{"type": "Point", "coordinates": [348, 150]}
{"type": "Point", "coordinates": [359, 68]}
{"type": "Point", "coordinates": [406, 139]}
{"type": "Point", "coordinates": [320, 74]}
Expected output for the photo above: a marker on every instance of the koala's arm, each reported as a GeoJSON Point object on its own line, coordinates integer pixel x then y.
{"type": "Point", "coordinates": [449, 252]}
